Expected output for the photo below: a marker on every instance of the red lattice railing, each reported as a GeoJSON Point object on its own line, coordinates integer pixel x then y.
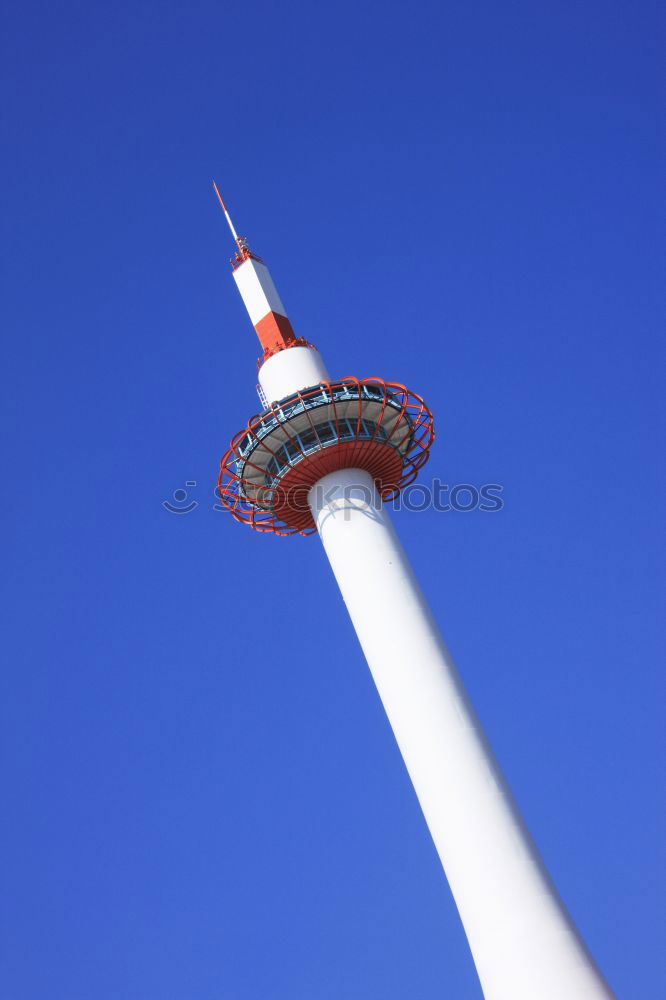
{"type": "Point", "coordinates": [393, 458]}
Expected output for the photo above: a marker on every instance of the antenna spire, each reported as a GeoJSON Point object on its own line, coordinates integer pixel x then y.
{"type": "Point", "coordinates": [243, 250]}
{"type": "Point", "coordinates": [226, 214]}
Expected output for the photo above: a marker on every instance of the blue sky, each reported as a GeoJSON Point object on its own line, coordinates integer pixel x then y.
{"type": "Point", "coordinates": [203, 798]}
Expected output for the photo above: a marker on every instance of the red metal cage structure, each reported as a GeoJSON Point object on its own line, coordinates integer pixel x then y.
{"type": "Point", "coordinates": [272, 464]}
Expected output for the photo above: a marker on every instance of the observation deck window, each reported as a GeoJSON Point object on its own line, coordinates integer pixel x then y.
{"type": "Point", "coordinates": [326, 431]}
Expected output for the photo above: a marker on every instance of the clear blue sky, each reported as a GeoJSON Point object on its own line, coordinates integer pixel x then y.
{"type": "Point", "coordinates": [203, 799]}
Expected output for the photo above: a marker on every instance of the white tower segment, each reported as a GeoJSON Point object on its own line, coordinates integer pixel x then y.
{"type": "Point", "coordinates": [260, 296]}
{"type": "Point", "coordinates": [523, 942]}
{"type": "Point", "coordinates": [320, 458]}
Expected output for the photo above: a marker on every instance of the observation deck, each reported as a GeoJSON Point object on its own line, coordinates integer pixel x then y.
{"type": "Point", "coordinates": [272, 464]}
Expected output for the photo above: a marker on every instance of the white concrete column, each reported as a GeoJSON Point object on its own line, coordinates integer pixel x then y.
{"type": "Point", "coordinates": [523, 942]}
{"type": "Point", "coordinates": [290, 370]}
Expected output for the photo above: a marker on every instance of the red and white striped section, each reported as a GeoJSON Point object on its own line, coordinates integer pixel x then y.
{"type": "Point", "coordinates": [264, 306]}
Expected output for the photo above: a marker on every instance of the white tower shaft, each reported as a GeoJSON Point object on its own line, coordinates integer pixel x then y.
{"type": "Point", "coordinates": [524, 944]}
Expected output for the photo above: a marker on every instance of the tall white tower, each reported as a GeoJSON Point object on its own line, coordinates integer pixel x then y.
{"type": "Point", "coordinates": [321, 456]}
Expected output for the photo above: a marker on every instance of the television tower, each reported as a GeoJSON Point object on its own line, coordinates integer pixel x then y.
{"type": "Point", "coordinates": [321, 457]}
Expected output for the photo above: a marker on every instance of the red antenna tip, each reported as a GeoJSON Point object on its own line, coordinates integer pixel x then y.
{"type": "Point", "coordinates": [219, 197]}
{"type": "Point", "coordinates": [243, 249]}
